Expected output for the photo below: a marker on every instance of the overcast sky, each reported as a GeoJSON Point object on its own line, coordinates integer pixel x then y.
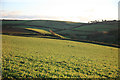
{"type": "Point", "coordinates": [66, 10]}
{"type": "Point", "coordinates": [119, 10]}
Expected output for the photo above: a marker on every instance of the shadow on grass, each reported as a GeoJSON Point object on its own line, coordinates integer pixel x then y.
{"type": "Point", "coordinates": [50, 36]}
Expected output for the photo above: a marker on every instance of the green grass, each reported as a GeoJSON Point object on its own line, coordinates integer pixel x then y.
{"type": "Point", "coordinates": [39, 30]}
{"type": "Point", "coordinates": [24, 26]}
{"type": "Point", "coordinates": [70, 32]}
{"type": "Point", "coordinates": [51, 58]}
{"type": "Point", "coordinates": [92, 29]}
{"type": "Point", "coordinates": [97, 27]}
{"type": "Point", "coordinates": [53, 24]}
{"type": "Point", "coordinates": [34, 27]}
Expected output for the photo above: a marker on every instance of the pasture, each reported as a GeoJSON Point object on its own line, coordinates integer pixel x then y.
{"type": "Point", "coordinates": [51, 58]}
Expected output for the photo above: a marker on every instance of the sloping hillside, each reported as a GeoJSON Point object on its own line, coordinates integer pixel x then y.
{"type": "Point", "coordinates": [100, 32]}
{"type": "Point", "coordinates": [30, 57]}
{"type": "Point", "coordinates": [97, 32]}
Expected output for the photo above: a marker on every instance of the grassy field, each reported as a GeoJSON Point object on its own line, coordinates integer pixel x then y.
{"type": "Point", "coordinates": [98, 27]}
{"type": "Point", "coordinates": [52, 58]}
{"type": "Point", "coordinates": [90, 29]}
{"type": "Point", "coordinates": [43, 23]}
{"type": "Point", "coordinates": [39, 30]}
{"type": "Point", "coordinates": [53, 24]}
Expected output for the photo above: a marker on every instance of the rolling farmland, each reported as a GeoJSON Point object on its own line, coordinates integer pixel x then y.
{"type": "Point", "coordinates": [47, 49]}
{"type": "Point", "coordinates": [105, 32]}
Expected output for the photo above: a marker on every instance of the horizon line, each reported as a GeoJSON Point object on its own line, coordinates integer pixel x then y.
{"type": "Point", "coordinates": [61, 20]}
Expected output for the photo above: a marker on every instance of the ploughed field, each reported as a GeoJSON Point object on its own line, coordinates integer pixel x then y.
{"type": "Point", "coordinates": [52, 58]}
